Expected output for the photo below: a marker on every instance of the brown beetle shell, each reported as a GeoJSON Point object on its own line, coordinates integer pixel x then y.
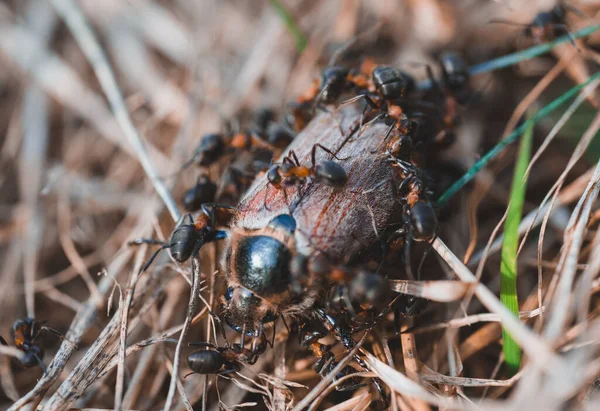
{"type": "Point", "coordinates": [338, 222]}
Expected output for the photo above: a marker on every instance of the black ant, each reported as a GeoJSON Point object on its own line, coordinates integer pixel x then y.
{"type": "Point", "coordinates": [547, 25]}
{"type": "Point", "coordinates": [310, 333]}
{"type": "Point", "coordinates": [420, 217]}
{"type": "Point", "coordinates": [223, 360]}
{"type": "Point", "coordinates": [291, 173]}
{"type": "Point", "coordinates": [387, 86]}
{"type": "Point", "coordinates": [187, 239]}
{"type": "Point", "coordinates": [24, 333]}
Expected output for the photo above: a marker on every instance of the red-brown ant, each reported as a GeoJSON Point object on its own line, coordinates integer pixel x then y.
{"type": "Point", "coordinates": [291, 173]}
{"type": "Point", "coordinates": [25, 333]}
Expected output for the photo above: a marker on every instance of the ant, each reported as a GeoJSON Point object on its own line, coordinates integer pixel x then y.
{"type": "Point", "coordinates": [335, 80]}
{"type": "Point", "coordinates": [290, 172]}
{"type": "Point", "coordinates": [420, 217]}
{"type": "Point", "coordinates": [387, 85]}
{"type": "Point", "coordinates": [24, 333]}
{"type": "Point", "coordinates": [310, 333]}
{"type": "Point", "coordinates": [223, 360]}
{"type": "Point", "coordinates": [213, 146]}
{"type": "Point", "coordinates": [547, 25]}
{"type": "Point", "coordinates": [187, 239]}
{"type": "Point", "coordinates": [204, 191]}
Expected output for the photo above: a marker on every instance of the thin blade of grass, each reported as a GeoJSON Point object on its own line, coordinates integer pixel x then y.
{"type": "Point", "coordinates": [510, 246]}
{"type": "Point", "coordinates": [290, 23]}
{"type": "Point", "coordinates": [490, 155]}
{"type": "Point", "coordinates": [514, 58]}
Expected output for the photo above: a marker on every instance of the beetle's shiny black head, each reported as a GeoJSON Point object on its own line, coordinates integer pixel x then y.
{"type": "Point", "coordinates": [389, 82]}
{"type": "Point", "coordinates": [333, 82]}
{"type": "Point", "coordinates": [183, 240]}
{"type": "Point", "coordinates": [243, 312]}
{"type": "Point", "coordinates": [455, 71]}
{"type": "Point", "coordinates": [424, 222]}
{"type": "Point", "coordinates": [205, 361]}
{"type": "Point", "coordinates": [262, 264]}
{"type": "Point", "coordinates": [203, 192]}
{"type": "Point", "coordinates": [211, 148]}
{"type": "Point", "coordinates": [331, 173]}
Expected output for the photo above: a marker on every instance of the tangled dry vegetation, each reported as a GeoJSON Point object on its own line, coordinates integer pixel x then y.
{"type": "Point", "coordinates": [80, 170]}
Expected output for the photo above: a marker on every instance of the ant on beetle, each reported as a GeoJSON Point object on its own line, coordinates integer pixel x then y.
{"type": "Point", "coordinates": [420, 218]}
{"type": "Point", "coordinates": [291, 173]}
{"type": "Point", "coordinates": [25, 333]}
{"type": "Point", "coordinates": [187, 239]}
{"type": "Point", "coordinates": [388, 84]}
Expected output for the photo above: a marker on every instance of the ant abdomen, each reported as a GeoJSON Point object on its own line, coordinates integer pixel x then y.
{"type": "Point", "coordinates": [182, 242]}
{"type": "Point", "coordinates": [205, 361]}
{"type": "Point", "coordinates": [423, 220]}
{"type": "Point", "coordinates": [331, 173]}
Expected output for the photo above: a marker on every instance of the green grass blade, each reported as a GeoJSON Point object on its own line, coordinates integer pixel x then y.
{"type": "Point", "coordinates": [510, 245]}
{"type": "Point", "coordinates": [515, 58]}
{"type": "Point", "coordinates": [512, 59]}
{"type": "Point", "coordinates": [490, 155]}
{"type": "Point", "coordinates": [290, 23]}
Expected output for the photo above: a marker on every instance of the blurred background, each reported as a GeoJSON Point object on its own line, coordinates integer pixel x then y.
{"type": "Point", "coordinates": [73, 191]}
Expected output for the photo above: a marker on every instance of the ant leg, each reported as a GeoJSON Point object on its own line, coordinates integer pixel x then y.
{"type": "Point", "coordinates": [325, 149]}
{"type": "Point", "coordinates": [41, 363]}
{"type": "Point", "coordinates": [563, 27]}
{"type": "Point", "coordinates": [425, 254]}
{"type": "Point", "coordinates": [151, 259]}
{"type": "Point", "coordinates": [201, 344]}
{"type": "Point", "coordinates": [3, 341]}
{"type": "Point", "coordinates": [228, 371]}
{"type": "Point", "coordinates": [366, 97]}
{"type": "Point", "coordinates": [434, 83]}
{"type": "Point", "coordinates": [384, 139]}
{"type": "Point", "coordinates": [292, 154]}
{"type": "Point", "coordinates": [55, 332]}
{"type": "Point", "coordinates": [209, 210]}
{"type": "Point", "coordinates": [140, 241]}
{"type": "Point", "coordinates": [407, 264]}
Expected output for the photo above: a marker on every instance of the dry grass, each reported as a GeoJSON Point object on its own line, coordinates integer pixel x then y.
{"type": "Point", "coordinates": [100, 98]}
